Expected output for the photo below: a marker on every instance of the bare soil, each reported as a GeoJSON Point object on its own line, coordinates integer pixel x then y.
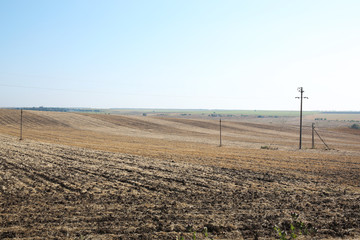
{"type": "Point", "coordinates": [84, 176]}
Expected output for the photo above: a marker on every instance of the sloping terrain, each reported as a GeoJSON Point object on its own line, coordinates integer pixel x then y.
{"type": "Point", "coordinates": [279, 133]}
{"type": "Point", "coordinates": [55, 192]}
{"type": "Point", "coordinates": [30, 118]}
{"type": "Point", "coordinates": [96, 176]}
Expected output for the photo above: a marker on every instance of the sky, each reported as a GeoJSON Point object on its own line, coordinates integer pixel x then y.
{"type": "Point", "coordinates": [183, 54]}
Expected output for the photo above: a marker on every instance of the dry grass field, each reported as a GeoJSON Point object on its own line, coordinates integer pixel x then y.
{"type": "Point", "coordinates": [98, 176]}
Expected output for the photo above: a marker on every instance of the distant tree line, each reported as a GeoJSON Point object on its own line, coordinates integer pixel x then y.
{"type": "Point", "coordinates": [55, 109]}
{"type": "Point", "coordinates": [351, 112]}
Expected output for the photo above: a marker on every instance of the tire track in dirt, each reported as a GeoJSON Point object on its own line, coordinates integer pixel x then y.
{"type": "Point", "coordinates": [149, 178]}
{"type": "Point", "coordinates": [36, 176]}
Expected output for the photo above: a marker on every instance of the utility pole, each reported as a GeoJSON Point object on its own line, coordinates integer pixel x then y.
{"type": "Point", "coordinates": [313, 136]}
{"type": "Point", "coordinates": [220, 133]}
{"type": "Point", "coordinates": [301, 90]}
{"type": "Point", "coordinates": [21, 123]}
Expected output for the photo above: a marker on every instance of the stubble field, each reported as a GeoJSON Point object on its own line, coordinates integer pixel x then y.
{"type": "Point", "coordinates": [93, 176]}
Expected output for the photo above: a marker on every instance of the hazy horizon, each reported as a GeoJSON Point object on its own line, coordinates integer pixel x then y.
{"type": "Point", "coordinates": [187, 109]}
{"type": "Point", "coordinates": [236, 55]}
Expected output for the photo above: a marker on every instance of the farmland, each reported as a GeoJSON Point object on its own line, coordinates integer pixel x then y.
{"type": "Point", "coordinates": [101, 176]}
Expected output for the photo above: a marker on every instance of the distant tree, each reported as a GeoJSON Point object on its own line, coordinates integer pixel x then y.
{"type": "Point", "coordinates": [355, 126]}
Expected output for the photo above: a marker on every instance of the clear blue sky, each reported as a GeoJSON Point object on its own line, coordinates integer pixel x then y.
{"type": "Point", "coordinates": [250, 54]}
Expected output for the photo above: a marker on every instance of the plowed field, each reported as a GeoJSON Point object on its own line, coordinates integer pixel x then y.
{"type": "Point", "coordinates": [84, 176]}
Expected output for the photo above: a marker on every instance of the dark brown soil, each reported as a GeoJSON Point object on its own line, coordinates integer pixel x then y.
{"type": "Point", "coordinates": [50, 191]}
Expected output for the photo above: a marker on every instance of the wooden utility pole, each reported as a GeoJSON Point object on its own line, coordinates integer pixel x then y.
{"type": "Point", "coordinates": [313, 136]}
{"type": "Point", "coordinates": [21, 123]}
{"type": "Point", "coordinates": [220, 133]}
{"type": "Point", "coordinates": [301, 90]}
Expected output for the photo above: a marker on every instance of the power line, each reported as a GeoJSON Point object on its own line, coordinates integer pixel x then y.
{"type": "Point", "coordinates": [130, 94]}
